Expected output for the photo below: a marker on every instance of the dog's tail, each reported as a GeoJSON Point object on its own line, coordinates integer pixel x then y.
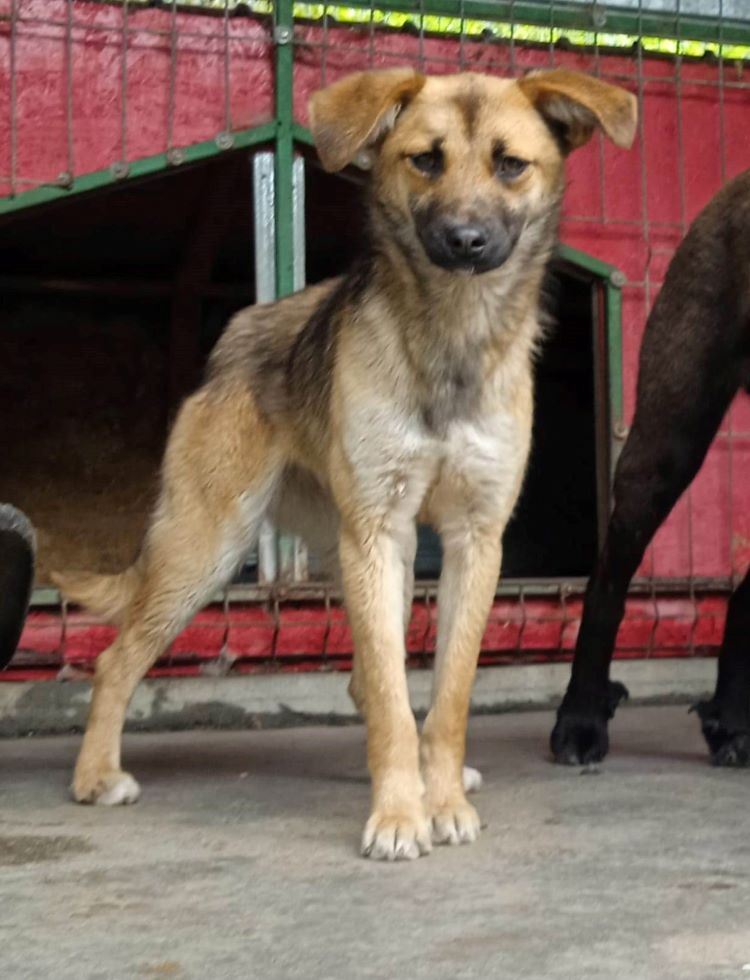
{"type": "Point", "coordinates": [107, 596]}
{"type": "Point", "coordinates": [17, 554]}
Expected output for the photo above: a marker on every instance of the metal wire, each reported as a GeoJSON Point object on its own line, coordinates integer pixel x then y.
{"type": "Point", "coordinates": [462, 37]}
{"type": "Point", "coordinates": [421, 43]}
{"type": "Point", "coordinates": [227, 74]}
{"type": "Point", "coordinates": [326, 48]}
{"type": "Point", "coordinates": [70, 160]}
{"type": "Point", "coordinates": [683, 229]}
{"type": "Point", "coordinates": [371, 40]}
{"type": "Point", "coordinates": [599, 136]}
{"type": "Point", "coordinates": [13, 98]}
{"type": "Point", "coordinates": [730, 435]}
{"type": "Point", "coordinates": [173, 40]}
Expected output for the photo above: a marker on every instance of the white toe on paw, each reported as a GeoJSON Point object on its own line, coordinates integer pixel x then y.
{"type": "Point", "coordinates": [455, 825]}
{"type": "Point", "coordinates": [111, 789]}
{"type": "Point", "coordinates": [472, 779]}
{"type": "Point", "coordinates": [395, 839]}
{"type": "Point", "coordinates": [119, 791]}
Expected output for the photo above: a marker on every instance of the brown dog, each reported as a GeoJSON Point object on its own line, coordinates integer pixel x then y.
{"type": "Point", "coordinates": [350, 411]}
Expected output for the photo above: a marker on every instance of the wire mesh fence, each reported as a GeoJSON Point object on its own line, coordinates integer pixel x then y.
{"type": "Point", "coordinates": [91, 87]}
{"type": "Point", "coordinates": [95, 94]}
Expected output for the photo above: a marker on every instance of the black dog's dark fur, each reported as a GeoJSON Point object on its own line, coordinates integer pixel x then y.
{"type": "Point", "coordinates": [16, 577]}
{"type": "Point", "coordinates": [694, 358]}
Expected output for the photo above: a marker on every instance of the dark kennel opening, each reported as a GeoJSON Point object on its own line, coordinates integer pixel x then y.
{"type": "Point", "coordinates": [112, 302]}
{"type": "Point", "coordinates": [553, 532]}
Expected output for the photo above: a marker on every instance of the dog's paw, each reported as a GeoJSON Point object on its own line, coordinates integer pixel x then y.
{"type": "Point", "coordinates": [114, 788]}
{"type": "Point", "coordinates": [456, 823]}
{"type": "Point", "coordinates": [580, 736]}
{"type": "Point", "coordinates": [472, 780]}
{"type": "Point", "coordinates": [729, 746]}
{"type": "Point", "coordinates": [734, 751]}
{"type": "Point", "coordinates": [578, 740]}
{"type": "Point", "coordinates": [396, 836]}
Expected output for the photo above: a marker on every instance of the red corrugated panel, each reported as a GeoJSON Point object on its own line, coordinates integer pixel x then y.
{"type": "Point", "coordinates": [204, 638]}
{"type": "Point", "coordinates": [295, 638]}
{"type": "Point", "coordinates": [85, 638]}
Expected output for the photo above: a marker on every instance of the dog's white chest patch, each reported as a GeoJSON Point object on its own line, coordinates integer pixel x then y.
{"type": "Point", "coordinates": [480, 471]}
{"type": "Point", "coordinates": [395, 461]}
{"type": "Point", "coordinates": [398, 463]}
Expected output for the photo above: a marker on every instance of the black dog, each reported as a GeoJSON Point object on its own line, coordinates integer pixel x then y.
{"type": "Point", "coordinates": [694, 358]}
{"type": "Point", "coordinates": [17, 550]}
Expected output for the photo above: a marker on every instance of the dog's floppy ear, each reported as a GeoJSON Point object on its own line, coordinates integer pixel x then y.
{"type": "Point", "coordinates": [352, 113]}
{"type": "Point", "coordinates": [574, 104]}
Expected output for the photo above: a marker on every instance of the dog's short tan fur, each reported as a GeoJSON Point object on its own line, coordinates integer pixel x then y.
{"type": "Point", "coordinates": [351, 410]}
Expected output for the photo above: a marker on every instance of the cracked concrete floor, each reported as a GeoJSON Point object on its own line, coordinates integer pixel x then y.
{"type": "Point", "coordinates": [241, 861]}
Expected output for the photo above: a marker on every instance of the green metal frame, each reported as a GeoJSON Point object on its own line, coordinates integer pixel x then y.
{"type": "Point", "coordinates": [284, 146]}
{"type": "Point", "coordinates": [608, 281]}
{"type": "Point", "coordinates": [612, 280]}
{"type": "Point", "coordinates": [541, 21]}
{"type": "Point", "coordinates": [563, 15]}
{"type": "Point", "coordinates": [137, 169]}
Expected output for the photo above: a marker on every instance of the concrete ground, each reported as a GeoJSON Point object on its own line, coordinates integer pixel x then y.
{"type": "Point", "coordinates": [241, 861]}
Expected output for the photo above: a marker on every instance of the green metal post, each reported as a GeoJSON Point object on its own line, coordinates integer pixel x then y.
{"type": "Point", "coordinates": [283, 37]}
{"type": "Point", "coordinates": [145, 167]}
{"type": "Point", "coordinates": [292, 555]}
{"type": "Point", "coordinates": [612, 280]}
{"type": "Point", "coordinates": [614, 330]}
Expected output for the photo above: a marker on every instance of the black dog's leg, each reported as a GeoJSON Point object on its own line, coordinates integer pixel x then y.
{"type": "Point", "coordinates": [726, 717]}
{"type": "Point", "coordinates": [665, 448]}
{"type": "Point", "coordinates": [580, 735]}
{"type": "Point", "coordinates": [694, 358]}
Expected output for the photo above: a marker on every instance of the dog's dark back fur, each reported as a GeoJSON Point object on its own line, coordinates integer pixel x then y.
{"type": "Point", "coordinates": [708, 286]}
{"type": "Point", "coordinates": [694, 359]}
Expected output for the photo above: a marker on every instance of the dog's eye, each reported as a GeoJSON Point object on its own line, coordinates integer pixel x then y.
{"type": "Point", "coordinates": [430, 164]}
{"type": "Point", "coordinates": [509, 168]}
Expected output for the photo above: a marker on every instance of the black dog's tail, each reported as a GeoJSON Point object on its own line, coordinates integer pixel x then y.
{"type": "Point", "coordinates": [17, 551]}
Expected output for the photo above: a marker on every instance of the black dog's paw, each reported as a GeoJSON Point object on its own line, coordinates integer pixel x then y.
{"type": "Point", "coordinates": [578, 740]}
{"type": "Point", "coordinates": [735, 751]}
{"type": "Point", "coordinates": [728, 744]}
{"type": "Point", "coordinates": [580, 735]}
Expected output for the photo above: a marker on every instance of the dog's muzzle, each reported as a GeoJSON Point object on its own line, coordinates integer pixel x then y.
{"type": "Point", "coordinates": [470, 246]}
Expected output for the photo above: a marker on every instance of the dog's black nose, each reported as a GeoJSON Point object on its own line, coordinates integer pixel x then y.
{"type": "Point", "coordinates": [474, 245]}
{"type": "Point", "coordinates": [466, 241]}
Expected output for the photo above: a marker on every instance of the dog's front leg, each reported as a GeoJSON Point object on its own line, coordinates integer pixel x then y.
{"type": "Point", "coordinates": [408, 548]}
{"type": "Point", "coordinates": [373, 574]}
{"type": "Point", "coordinates": [471, 566]}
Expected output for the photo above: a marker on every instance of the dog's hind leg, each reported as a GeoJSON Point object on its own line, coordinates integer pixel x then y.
{"type": "Point", "coordinates": [726, 717]}
{"type": "Point", "coordinates": [693, 360]}
{"type": "Point", "coordinates": [220, 472]}
{"type": "Point", "coordinates": [661, 456]}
